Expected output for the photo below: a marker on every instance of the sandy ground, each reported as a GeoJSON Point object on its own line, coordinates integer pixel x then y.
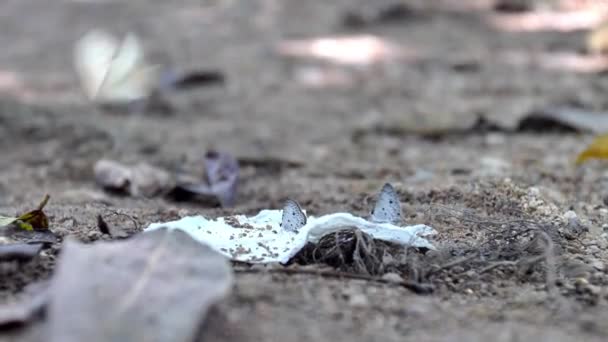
{"type": "Point", "coordinates": [329, 133]}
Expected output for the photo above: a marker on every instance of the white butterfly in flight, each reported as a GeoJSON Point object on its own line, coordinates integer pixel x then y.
{"type": "Point", "coordinates": [114, 71]}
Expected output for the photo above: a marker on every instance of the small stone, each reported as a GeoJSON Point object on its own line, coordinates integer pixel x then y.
{"type": "Point", "coordinates": [597, 264]}
{"type": "Point", "coordinates": [358, 300]}
{"type": "Point", "coordinates": [495, 139]}
{"type": "Point", "coordinates": [457, 269]}
{"type": "Point", "coordinates": [94, 235]}
{"type": "Point", "coordinates": [392, 277]}
{"type": "Point", "coordinates": [594, 290]}
{"type": "Point", "coordinates": [570, 215]}
{"type": "Point", "coordinates": [593, 249]}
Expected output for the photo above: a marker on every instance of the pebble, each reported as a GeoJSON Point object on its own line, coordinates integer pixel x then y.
{"type": "Point", "coordinates": [94, 235]}
{"type": "Point", "coordinates": [593, 249]}
{"type": "Point", "coordinates": [358, 300]}
{"type": "Point", "coordinates": [393, 277]}
{"type": "Point", "coordinates": [597, 264]}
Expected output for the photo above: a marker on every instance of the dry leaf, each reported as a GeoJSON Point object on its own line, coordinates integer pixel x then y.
{"type": "Point", "coordinates": [192, 79]}
{"type": "Point", "coordinates": [157, 286]}
{"type": "Point", "coordinates": [598, 149]}
{"type": "Point", "coordinates": [35, 219]}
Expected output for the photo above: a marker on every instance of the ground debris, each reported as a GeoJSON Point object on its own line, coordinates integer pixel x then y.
{"type": "Point", "coordinates": [142, 301]}
{"type": "Point", "coordinates": [220, 184]}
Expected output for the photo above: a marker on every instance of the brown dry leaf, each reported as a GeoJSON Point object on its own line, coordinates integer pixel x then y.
{"type": "Point", "coordinates": [598, 149]}
{"type": "Point", "coordinates": [157, 286]}
{"type": "Point", "coordinates": [35, 219]}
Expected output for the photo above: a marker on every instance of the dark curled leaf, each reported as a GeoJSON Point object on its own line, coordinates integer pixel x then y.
{"type": "Point", "coordinates": [199, 78]}
{"type": "Point", "coordinates": [172, 80]}
{"type": "Point", "coordinates": [19, 251]}
{"type": "Point", "coordinates": [564, 119]}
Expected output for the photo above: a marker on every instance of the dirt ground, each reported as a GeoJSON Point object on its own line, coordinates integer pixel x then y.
{"type": "Point", "coordinates": [329, 134]}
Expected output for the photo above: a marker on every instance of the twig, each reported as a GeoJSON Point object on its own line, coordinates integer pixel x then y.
{"type": "Point", "coordinates": [497, 264]}
{"type": "Point", "coordinates": [417, 288]}
{"type": "Point", "coordinates": [454, 263]}
{"type": "Point", "coordinates": [550, 274]}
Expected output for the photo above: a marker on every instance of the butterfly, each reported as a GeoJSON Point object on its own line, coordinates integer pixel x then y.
{"type": "Point", "coordinates": [293, 217]}
{"type": "Point", "coordinates": [113, 71]}
{"type": "Point", "coordinates": [118, 72]}
{"type": "Point", "coordinates": [388, 206]}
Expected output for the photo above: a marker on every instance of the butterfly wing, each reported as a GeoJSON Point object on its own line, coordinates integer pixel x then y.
{"type": "Point", "coordinates": [129, 77]}
{"type": "Point", "coordinates": [293, 217]}
{"type": "Point", "coordinates": [93, 56]}
{"type": "Point", "coordinates": [137, 85]}
{"type": "Point", "coordinates": [113, 72]}
{"type": "Point", "coordinates": [388, 206]}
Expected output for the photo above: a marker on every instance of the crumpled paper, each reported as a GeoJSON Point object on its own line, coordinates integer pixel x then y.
{"type": "Point", "coordinates": [260, 239]}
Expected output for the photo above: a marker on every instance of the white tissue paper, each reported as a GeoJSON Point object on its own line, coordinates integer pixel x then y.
{"type": "Point", "coordinates": [260, 239]}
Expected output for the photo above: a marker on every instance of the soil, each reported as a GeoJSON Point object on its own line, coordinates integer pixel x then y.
{"type": "Point", "coordinates": [329, 134]}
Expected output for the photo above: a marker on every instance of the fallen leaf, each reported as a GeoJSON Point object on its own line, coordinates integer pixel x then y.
{"type": "Point", "coordinates": [191, 79]}
{"type": "Point", "coordinates": [512, 6]}
{"type": "Point", "coordinates": [5, 220]}
{"type": "Point", "coordinates": [33, 299]}
{"type": "Point", "coordinates": [598, 149]}
{"type": "Point", "coordinates": [138, 180]}
{"type": "Point", "coordinates": [19, 251]}
{"type": "Point", "coordinates": [35, 219]}
{"type": "Point", "coordinates": [222, 173]}
{"type": "Point", "coordinates": [565, 118]}
{"type": "Point", "coordinates": [157, 286]}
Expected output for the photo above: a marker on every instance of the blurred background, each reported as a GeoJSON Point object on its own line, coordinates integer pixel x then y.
{"type": "Point", "coordinates": [417, 91]}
